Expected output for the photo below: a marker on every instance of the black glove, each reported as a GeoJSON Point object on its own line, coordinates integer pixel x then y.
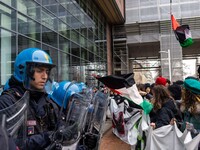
{"type": "Point", "coordinates": [66, 133]}
{"type": "Point", "coordinates": [90, 140]}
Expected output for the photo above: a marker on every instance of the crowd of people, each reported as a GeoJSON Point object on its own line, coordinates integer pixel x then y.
{"type": "Point", "coordinates": [174, 102]}
{"type": "Point", "coordinates": [58, 115]}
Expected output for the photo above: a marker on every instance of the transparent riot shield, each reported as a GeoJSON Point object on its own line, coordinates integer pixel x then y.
{"type": "Point", "coordinates": [76, 117]}
{"type": "Point", "coordinates": [68, 135]}
{"type": "Point", "coordinates": [97, 117]}
{"type": "Point", "coordinates": [3, 133]}
{"type": "Point", "coordinates": [16, 117]}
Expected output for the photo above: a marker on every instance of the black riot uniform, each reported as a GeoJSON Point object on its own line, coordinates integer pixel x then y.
{"type": "Point", "coordinates": [41, 118]}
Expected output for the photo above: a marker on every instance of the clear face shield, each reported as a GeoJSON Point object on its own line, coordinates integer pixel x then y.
{"type": "Point", "coordinates": [70, 133]}
{"type": "Point", "coordinates": [15, 120]}
{"type": "Point", "coordinates": [39, 76]}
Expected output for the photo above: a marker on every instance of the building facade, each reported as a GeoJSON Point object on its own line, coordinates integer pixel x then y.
{"type": "Point", "coordinates": [75, 33]}
{"type": "Point", "coordinates": [147, 37]}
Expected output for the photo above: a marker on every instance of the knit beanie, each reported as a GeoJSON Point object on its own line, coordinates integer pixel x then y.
{"type": "Point", "coordinates": [161, 81]}
{"type": "Point", "coordinates": [192, 85]}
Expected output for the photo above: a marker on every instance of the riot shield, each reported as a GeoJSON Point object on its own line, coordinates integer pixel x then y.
{"type": "Point", "coordinates": [68, 135]}
{"type": "Point", "coordinates": [97, 117]}
{"type": "Point", "coordinates": [76, 117]}
{"type": "Point", "coordinates": [3, 133]}
{"type": "Point", "coordinates": [16, 117]}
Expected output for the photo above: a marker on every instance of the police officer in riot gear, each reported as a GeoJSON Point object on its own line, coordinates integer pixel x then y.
{"type": "Point", "coordinates": [66, 95]}
{"type": "Point", "coordinates": [32, 71]}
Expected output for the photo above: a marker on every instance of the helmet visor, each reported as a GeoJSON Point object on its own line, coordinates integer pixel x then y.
{"type": "Point", "coordinates": [38, 75]}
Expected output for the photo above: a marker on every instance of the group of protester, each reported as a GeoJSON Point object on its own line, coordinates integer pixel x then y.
{"type": "Point", "coordinates": [56, 111]}
{"type": "Point", "coordinates": [174, 102]}
{"type": "Point", "coordinates": [178, 100]}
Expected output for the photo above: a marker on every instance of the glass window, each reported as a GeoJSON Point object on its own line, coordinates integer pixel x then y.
{"type": "Point", "coordinates": [24, 42]}
{"type": "Point", "coordinates": [91, 57]}
{"type": "Point", "coordinates": [49, 20]}
{"type": "Point", "coordinates": [28, 27]}
{"type": "Point", "coordinates": [62, 13]}
{"type": "Point", "coordinates": [83, 41]}
{"type": "Point", "coordinates": [39, 1]}
{"type": "Point", "coordinates": [75, 36]}
{"type": "Point", "coordinates": [49, 37]}
{"type": "Point", "coordinates": [84, 54]}
{"type": "Point", "coordinates": [64, 44]}
{"type": "Point", "coordinates": [90, 35]}
{"type": "Point", "coordinates": [74, 23]}
{"type": "Point", "coordinates": [29, 8]}
{"type": "Point", "coordinates": [53, 53]}
{"type": "Point", "coordinates": [8, 2]}
{"type": "Point", "coordinates": [7, 55]}
{"type": "Point", "coordinates": [75, 49]}
{"type": "Point", "coordinates": [8, 18]}
{"type": "Point", "coordinates": [63, 29]}
{"type": "Point", "coordinates": [90, 46]}
{"type": "Point", "coordinates": [51, 5]}
{"type": "Point", "coordinates": [63, 68]}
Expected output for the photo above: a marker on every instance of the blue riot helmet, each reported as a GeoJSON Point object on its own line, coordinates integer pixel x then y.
{"type": "Point", "coordinates": [63, 91]}
{"type": "Point", "coordinates": [27, 60]}
{"type": "Point", "coordinates": [50, 86]}
{"type": "Point", "coordinates": [82, 86]}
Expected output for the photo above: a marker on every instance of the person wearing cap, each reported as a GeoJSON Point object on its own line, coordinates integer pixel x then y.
{"type": "Point", "coordinates": [190, 106]}
{"type": "Point", "coordinates": [161, 81]}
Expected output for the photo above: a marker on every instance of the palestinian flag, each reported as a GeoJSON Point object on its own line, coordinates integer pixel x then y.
{"type": "Point", "coordinates": [182, 33]}
{"type": "Point", "coordinates": [126, 87]}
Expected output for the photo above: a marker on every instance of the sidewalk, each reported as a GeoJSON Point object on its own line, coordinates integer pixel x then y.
{"type": "Point", "coordinates": [107, 125]}
{"type": "Point", "coordinates": [111, 142]}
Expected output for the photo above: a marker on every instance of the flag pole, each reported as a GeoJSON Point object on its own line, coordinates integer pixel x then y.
{"type": "Point", "coordinates": [171, 46]}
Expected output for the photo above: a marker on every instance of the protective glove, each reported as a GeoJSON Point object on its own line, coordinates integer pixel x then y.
{"type": "Point", "coordinates": [66, 133]}
{"type": "Point", "coordinates": [90, 140]}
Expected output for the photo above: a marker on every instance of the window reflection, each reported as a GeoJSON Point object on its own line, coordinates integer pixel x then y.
{"type": "Point", "coordinates": [28, 27]}
{"type": "Point", "coordinates": [24, 42]}
{"type": "Point", "coordinates": [29, 8]}
{"type": "Point", "coordinates": [67, 30]}
{"type": "Point", "coordinates": [49, 20]}
{"type": "Point", "coordinates": [7, 55]}
{"type": "Point", "coordinates": [49, 37]}
{"type": "Point", "coordinates": [8, 19]}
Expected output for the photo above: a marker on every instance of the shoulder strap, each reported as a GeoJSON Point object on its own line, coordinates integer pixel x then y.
{"type": "Point", "coordinates": [13, 94]}
{"type": "Point", "coordinates": [55, 107]}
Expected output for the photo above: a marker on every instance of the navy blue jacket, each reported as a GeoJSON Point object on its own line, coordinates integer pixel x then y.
{"type": "Point", "coordinates": [38, 111]}
{"type": "Point", "coordinates": [164, 115]}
